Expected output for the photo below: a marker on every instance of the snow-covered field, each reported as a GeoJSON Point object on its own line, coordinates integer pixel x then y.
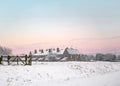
{"type": "Point", "coordinates": [61, 74]}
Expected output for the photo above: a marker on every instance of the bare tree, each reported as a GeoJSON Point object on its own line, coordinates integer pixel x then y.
{"type": "Point", "coordinates": [5, 51]}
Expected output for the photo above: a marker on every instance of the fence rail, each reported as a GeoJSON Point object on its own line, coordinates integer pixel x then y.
{"type": "Point", "coordinates": [25, 60]}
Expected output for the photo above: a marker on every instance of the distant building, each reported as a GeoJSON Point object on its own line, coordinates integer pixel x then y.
{"type": "Point", "coordinates": [71, 54]}
{"type": "Point", "coordinates": [56, 55]}
{"type": "Point", "coordinates": [47, 54]}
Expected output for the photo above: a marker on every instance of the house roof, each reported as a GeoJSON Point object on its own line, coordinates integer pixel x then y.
{"type": "Point", "coordinates": [47, 52]}
{"type": "Point", "coordinates": [40, 53]}
{"type": "Point", "coordinates": [60, 52]}
{"type": "Point", "coordinates": [73, 51]}
{"type": "Point", "coordinates": [54, 51]}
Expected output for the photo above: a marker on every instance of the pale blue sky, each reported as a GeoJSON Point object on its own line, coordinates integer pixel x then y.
{"type": "Point", "coordinates": [34, 21]}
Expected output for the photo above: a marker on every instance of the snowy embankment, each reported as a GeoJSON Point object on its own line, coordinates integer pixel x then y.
{"type": "Point", "coordinates": [61, 74]}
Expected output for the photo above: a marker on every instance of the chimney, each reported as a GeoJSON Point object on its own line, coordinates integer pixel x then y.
{"type": "Point", "coordinates": [42, 51]}
{"type": "Point", "coordinates": [50, 50]}
{"type": "Point", "coordinates": [58, 49]}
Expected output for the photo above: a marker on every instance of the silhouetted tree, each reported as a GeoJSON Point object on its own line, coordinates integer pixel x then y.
{"type": "Point", "coordinates": [99, 57]}
{"type": "Point", "coordinates": [5, 51]}
{"type": "Point", "coordinates": [118, 58]}
{"type": "Point", "coordinates": [109, 57]}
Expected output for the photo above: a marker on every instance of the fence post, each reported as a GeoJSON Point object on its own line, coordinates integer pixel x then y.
{"type": "Point", "coordinates": [1, 58]}
{"type": "Point", "coordinates": [25, 59]}
{"type": "Point", "coordinates": [17, 60]}
{"type": "Point", "coordinates": [8, 59]}
{"type": "Point", "coordinates": [30, 60]}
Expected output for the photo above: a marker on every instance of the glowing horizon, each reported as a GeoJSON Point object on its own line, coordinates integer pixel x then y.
{"type": "Point", "coordinates": [87, 25]}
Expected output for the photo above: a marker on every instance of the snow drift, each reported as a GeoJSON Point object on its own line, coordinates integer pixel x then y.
{"type": "Point", "coordinates": [61, 74]}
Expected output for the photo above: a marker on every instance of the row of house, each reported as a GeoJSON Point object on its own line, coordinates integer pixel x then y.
{"type": "Point", "coordinates": [56, 54]}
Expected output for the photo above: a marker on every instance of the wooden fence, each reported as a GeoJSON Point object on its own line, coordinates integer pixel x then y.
{"type": "Point", "coordinates": [25, 60]}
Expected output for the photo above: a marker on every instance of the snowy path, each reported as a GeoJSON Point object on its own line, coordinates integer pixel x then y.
{"type": "Point", "coordinates": [62, 74]}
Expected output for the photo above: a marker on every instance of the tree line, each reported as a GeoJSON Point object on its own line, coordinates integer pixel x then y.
{"type": "Point", "coordinates": [4, 51]}
{"type": "Point", "coordinates": [100, 57]}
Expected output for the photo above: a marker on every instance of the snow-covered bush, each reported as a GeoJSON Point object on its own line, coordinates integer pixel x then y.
{"type": "Point", "coordinates": [109, 57]}
{"type": "Point", "coordinates": [118, 58]}
{"type": "Point", "coordinates": [105, 57]}
{"type": "Point", "coordinates": [99, 57]}
{"type": "Point", "coordinates": [87, 57]}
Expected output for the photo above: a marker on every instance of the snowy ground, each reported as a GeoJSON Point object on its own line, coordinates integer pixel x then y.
{"type": "Point", "coordinates": [61, 74]}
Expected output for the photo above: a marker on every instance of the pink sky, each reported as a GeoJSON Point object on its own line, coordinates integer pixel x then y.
{"type": "Point", "coordinates": [83, 45]}
{"type": "Point", "coordinates": [89, 26]}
